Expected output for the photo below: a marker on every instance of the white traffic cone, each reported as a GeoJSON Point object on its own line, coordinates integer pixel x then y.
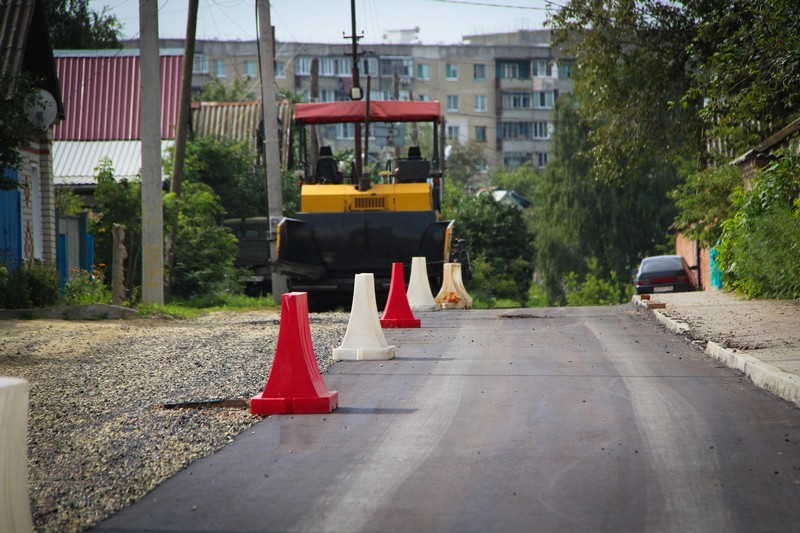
{"type": "Point", "coordinates": [15, 509]}
{"type": "Point", "coordinates": [453, 295]}
{"type": "Point", "coordinates": [364, 338]}
{"type": "Point", "coordinates": [459, 282]}
{"type": "Point", "coordinates": [420, 297]}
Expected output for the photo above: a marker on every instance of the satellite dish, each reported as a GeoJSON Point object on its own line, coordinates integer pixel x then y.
{"type": "Point", "coordinates": [41, 109]}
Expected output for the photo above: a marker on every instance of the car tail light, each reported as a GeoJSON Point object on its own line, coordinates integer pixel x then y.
{"type": "Point", "coordinates": [642, 282]}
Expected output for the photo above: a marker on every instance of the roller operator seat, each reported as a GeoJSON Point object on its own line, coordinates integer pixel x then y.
{"type": "Point", "coordinates": [326, 170]}
{"type": "Point", "coordinates": [412, 169]}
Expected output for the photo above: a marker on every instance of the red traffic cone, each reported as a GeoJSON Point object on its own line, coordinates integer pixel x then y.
{"type": "Point", "coordinates": [397, 313]}
{"type": "Point", "coordinates": [295, 384]}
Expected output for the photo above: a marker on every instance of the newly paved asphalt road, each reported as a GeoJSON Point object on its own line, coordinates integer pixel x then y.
{"type": "Point", "coordinates": [572, 419]}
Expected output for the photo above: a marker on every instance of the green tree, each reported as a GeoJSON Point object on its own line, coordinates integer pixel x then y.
{"type": "Point", "coordinates": [73, 25]}
{"type": "Point", "coordinates": [117, 203]}
{"type": "Point", "coordinates": [521, 180]}
{"type": "Point", "coordinates": [204, 250]}
{"type": "Point", "coordinates": [228, 167]}
{"type": "Point", "coordinates": [705, 201]}
{"type": "Point", "coordinates": [464, 161]}
{"type": "Point", "coordinates": [16, 129]}
{"type": "Point", "coordinates": [216, 91]}
{"type": "Point", "coordinates": [633, 69]}
{"type": "Point", "coordinates": [581, 222]}
{"type": "Point", "coordinates": [746, 66]}
{"type": "Point", "coordinates": [498, 242]}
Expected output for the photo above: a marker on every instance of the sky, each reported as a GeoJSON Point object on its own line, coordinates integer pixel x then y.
{"type": "Point", "coordinates": [327, 21]}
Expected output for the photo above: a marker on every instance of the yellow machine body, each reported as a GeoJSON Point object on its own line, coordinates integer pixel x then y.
{"type": "Point", "coordinates": [340, 198]}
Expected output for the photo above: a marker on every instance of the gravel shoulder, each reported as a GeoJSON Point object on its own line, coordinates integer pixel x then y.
{"type": "Point", "coordinates": [99, 435]}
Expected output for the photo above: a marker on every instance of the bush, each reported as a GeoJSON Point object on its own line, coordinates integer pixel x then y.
{"type": "Point", "coordinates": [87, 288]}
{"type": "Point", "coordinates": [593, 289]}
{"type": "Point", "coordinates": [760, 243]}
{"type": "Point", "coordinates": [204, 251]}
{"type": "Point", "coordinates": [29, 287]}
{"type": "Point", "coordinates": [761, 254]}
{"type": "Point", "coordinates": [499, 245]}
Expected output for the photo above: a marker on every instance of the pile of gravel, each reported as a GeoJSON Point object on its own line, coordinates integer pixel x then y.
{"type": "Point", "coordinates": [100, 436]}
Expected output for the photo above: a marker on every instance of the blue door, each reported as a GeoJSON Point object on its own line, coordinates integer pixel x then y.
{"type": "Point", "coordinates": [10, 225]}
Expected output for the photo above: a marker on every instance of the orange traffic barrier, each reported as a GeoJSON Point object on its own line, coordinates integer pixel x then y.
{"type": "Point", "coordinates": [295, 384]}
{"type": "Point", "coordinates": [397, 313]}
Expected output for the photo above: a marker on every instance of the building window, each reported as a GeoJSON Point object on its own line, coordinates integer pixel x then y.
{"type": "Point", "coordinates": [516, 100]}
{"type": "Point", "coordinates": [249, 68]}
{"type": "Point", "coordinates": [480, 134]}
{"type": "Point", "coordinates": [543, 99]}
{"type": "Point", "coordinates": [326, 95]}
{"type": "Point", "coordinates": [509, 71]}
{"type": "Point", "coordinates": [200, 65]}
{"type": "Point", "coordinates": [424, 97]}
{"type": "Point", "coordinates": [280, 69]}
{"type": "Point", "coordinates": [345, 131]}
{"type": "Point", "coordinates": [423, 71]}
{"type": "Point", "coordinates": [541, 159]}
{"type": "Point", "coordinates": [541, 68]}
{"type": "Point", "coordinates": [451, 71]}
{"type": "Point", "coordinates": [541, 130]}
{"type": "Point", "coordinates": [219, 68]}
{"type": "Point", "coordinates": [344, 66]}
{"type": "Point", "coordinates": [479, 103]}
{"type": "Point", "coordinates": [515, 159]}
{"type": "Point", "coordinates": [326, 67]}
{"type": "Point", "coordinates": [479, 72]}
{"type": "Point", "coordinates": [565, 69]}
{"type": "Point", "coordinates": [302, 66]}
{"type": "Point", "coordinates": [483, 166]}
{"type": "Point", "coordinates": [452, 132]}
{"type": "Point", "coordinates": [452, 102]}
{"type": "Point", "coordinates": [368, 65]}
{"type": "Point", "coordinates": [516, 130]}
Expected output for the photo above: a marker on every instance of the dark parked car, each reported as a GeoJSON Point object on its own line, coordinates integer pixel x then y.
{"type": "Point", "coordinates": [664, 273]}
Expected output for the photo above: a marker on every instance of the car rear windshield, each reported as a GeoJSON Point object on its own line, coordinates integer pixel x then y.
{"type": "Point", "coordinates": [660, 264]}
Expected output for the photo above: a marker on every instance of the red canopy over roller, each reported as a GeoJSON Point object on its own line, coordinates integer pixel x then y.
{"type": "Point", "coordinates": [379, 111]}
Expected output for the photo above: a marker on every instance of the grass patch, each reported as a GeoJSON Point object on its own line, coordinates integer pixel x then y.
{"type": "Point", "coordinates": [187, 309]}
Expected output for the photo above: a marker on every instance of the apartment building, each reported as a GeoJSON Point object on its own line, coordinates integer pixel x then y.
{"type": "Point", "coordinates": [497, 89]}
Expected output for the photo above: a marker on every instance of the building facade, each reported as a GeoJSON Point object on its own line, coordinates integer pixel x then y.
{"type": "Point", "coordinates": [497, 89]}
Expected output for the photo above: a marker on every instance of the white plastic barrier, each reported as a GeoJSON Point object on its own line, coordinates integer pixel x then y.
{"type": "Point", "coordinates": [15, 508]}
{"type": "Point", "coordinates": [419, 294]}
{"type": "Point", "coordinates": [364, 338]}
{"type": "Point", "coordinates": [453, 294]}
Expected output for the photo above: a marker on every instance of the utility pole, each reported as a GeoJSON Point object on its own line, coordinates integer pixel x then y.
{"type": "Point", "coordinates": [181, 128]}
{"type": "Point", "coordinates": [356, 83]}
{"type": "Point", "coordinates": [314, 94]}
{"type": "Point", "coordinates": [184, 106]}
{"type": "Point", "coordinates": [150, 114]}
{"type": "Point", "coordinates": [271, 146]}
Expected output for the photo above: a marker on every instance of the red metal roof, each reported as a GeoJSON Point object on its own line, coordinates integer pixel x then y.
{"type": "Point", "coordinates": [379, 111]}
{"type": "Point", "coordinates": [101, 95]}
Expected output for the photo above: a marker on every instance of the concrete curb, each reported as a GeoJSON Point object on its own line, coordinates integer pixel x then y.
{"type": "Point", "coordinates": [763, 375]}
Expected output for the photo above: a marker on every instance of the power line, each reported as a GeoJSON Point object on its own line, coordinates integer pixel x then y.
{"type": "Point", "coordinates": [490, 4]}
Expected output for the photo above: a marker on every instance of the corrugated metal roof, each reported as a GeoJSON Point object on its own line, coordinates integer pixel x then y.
{"type": "Point", "coordinates": [15, 20]}
{"type": "Point", "coordinates": [237, 121]}
{"type": "Point", "coordinates": [25, 45]}
{"type": "Point", "coordinates": [102, 95]}
{"type": "Point", "coordinates": [74, 162]}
